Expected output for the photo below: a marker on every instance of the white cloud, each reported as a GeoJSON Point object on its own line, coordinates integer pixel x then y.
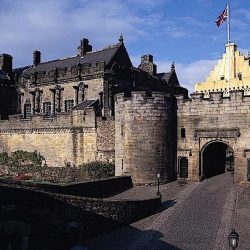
{"type": "Point", "coordinates": [190, 73]}
{"type": "Point", "coordinates": [55, 27]}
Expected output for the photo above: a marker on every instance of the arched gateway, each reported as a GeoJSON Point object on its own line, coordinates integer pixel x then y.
{"type": "Point", "coordinates": [216, 158]}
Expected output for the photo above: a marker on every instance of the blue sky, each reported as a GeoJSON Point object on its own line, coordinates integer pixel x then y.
{"type": "Point", "coordinates": [182, 31]}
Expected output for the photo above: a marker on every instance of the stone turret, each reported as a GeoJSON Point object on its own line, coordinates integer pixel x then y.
{"type": "Point", "coordinates": [144, 143]}
{"type": "Point", "coordinates": [84, 47]}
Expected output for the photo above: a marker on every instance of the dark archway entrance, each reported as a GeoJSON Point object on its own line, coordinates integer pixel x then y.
{"type": "Point", "coordinates": [215, 159]}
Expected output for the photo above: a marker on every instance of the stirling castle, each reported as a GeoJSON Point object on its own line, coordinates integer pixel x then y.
{"type": "Point", "coordinates": [96, 106]}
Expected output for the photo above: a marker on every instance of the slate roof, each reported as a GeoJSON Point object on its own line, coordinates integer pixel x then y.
{"type": "Point", "coordinates": [19, 71]}
{"type": "Point", "coordinates": [3, 75]}
{"type": "Point", "coordinates": [104, 55]}
{"type": "Point", "coordinates": [85, 104]}
{"type": "Point", "coordinates": [164, 76]}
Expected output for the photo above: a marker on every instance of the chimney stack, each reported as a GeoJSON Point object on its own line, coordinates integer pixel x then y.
{"type": "Point", "coordinates": [36, 58]}
{"type": "Point", "coordinates": [148, 65]}
{"type": "Point", "coordinates": [84, 47]}
{"type": "Point", "coordinates": [6, 63]}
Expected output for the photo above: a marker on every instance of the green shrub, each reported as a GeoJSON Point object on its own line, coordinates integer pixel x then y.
{"type": "Point", "coordinates": [21, 161]}
{"type": "Point", "coordinates": [96, 170]}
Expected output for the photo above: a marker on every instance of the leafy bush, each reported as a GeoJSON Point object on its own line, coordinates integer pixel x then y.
{"type": "Point", "coordinates": [96, 170]}
{"type": "Point", "coordinates": [21, 161]}
{"type": "Point", "coordinates": [21, 164]}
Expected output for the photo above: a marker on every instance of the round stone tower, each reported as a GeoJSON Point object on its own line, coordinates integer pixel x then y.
{"type": "Point", "coordinates": [145, 142]}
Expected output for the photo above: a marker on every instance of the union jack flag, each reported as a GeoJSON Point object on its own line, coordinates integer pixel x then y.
{"type": "Point", "coordinates": [222, 17]}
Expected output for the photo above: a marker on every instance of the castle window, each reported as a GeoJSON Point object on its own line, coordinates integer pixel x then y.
{"type": "Point", "coordinates": [27, 110]}
{"type": "Point", "coordinates": [69, 104]}
{"type": "Point", "coordinates": [248, 169]}
{"type": "Point", "coordinates": [183, 133]}
{"type": "Point", "coordinates": [222, 77]}
{"type": "Point", "coordinates": [122, 129]}
{"type": "Point", "coordinates": [47, 108]}
{"type": "Point", "coordinates": [240, 76]}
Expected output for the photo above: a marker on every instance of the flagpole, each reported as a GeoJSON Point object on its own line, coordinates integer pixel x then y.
{"type": "Point", "coordinates": [228, 41]}
{"type": "Point", "coordinates": [228, 24]}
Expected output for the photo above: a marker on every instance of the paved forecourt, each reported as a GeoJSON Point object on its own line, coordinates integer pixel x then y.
{"type": "Point", "coordinates": [196, 216]}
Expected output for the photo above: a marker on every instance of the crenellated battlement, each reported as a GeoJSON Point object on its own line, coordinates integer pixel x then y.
{"type": "Point", "coordinates": [75, 119]}
{"type": "Point", "coordinates": [144, 134]}
{"type": "Point", "coordinates": [217, 104]}
{"type": "Point", "coordinates": [143, 97]}
{"type": "Point", "coordinates": [239, 95]}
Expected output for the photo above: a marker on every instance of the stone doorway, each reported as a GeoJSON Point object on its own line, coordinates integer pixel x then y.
{"type": "Point", "coordinates": [217, 157]}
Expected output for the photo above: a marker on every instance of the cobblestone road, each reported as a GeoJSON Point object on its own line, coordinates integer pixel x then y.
{"type": "Point", "coordinates": [197, 216]}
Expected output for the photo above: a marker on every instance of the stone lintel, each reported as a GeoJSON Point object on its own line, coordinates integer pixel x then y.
{"type": "Point", "coordinates": [218, 133]}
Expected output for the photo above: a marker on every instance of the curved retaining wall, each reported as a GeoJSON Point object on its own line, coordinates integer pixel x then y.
{"type": "Point", "coordinates": [98, 188]}
{"type": "Point", "coordinates": [55, 211]}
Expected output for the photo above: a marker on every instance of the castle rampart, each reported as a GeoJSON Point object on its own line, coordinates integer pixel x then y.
{"type": "Point", "coordinates": [77, 137]}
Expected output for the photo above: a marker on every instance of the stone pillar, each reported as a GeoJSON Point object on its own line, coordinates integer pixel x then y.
{"type": "Point", "coordinates": [82, 92]}
{"type": "Point", "coordinates": [111, 98]}
{"type": "Point", "coordinates": [106, 98]}
{"type": "Point", "coordinates": [58, 100]}
{"type": "Point", "coordinates": [38, 100]}
{"type": "Point", "coordinates": [76, 94]}
{"type": "Point", "coordinates": [101, 103]}
{"type": "Point", "coordinates": [19, 102]}
{"type": "Point", "coordinates": [53, 101]}
{"type": "Point", "coordinates": [55, 74]}
{"type": "Point", "coordinates": [33, 101]}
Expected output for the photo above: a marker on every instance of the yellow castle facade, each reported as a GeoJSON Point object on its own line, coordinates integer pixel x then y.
{"type": "Point", "coordinates": [232, 72]}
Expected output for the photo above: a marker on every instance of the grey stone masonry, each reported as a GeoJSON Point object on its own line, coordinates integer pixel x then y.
{"type": "Point", "coordinates": [143, 137]}
{"type": "Point", "coordinates": [214, 119]}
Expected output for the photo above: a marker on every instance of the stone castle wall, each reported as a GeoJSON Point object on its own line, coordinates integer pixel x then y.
{"type": "Point", "coordinates": [214, 119]}
{"type": "Point", "coordinates": [143, 137]}
{"type": "Point", "coordinates": [64, 138]}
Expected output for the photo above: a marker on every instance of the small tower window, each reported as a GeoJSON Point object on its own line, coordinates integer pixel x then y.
{"type": "Point", "coordinates": [222, 77]}
{"type": "Point", "coordinates": [240, 76]}
{"type": "Point", "coordinates": [183, 133]}
{"type": "Point", "coordinates": [122, 129]}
